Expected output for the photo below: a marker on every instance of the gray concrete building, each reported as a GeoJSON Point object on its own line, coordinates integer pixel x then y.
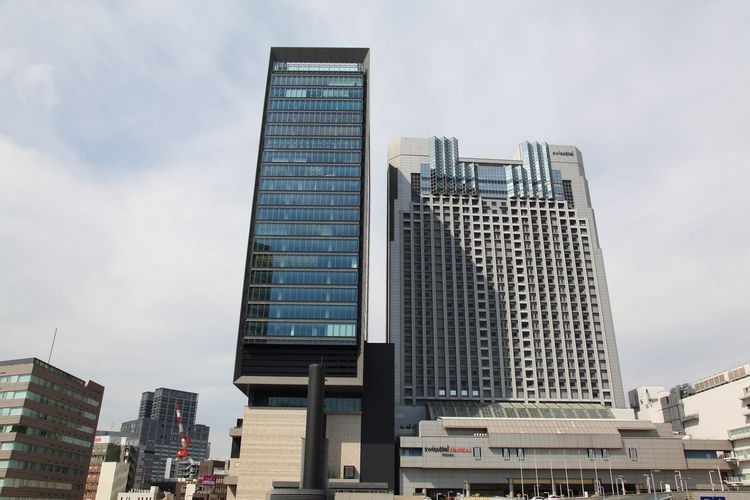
{"type": "Point", "coordinates": [496, 281]}
{"type": "Point", "coordinates": [47, 423]}
{"type": "Point", "coordinates": [604, 455]}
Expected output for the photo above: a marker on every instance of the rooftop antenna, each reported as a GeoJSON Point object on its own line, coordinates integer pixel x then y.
{"type": "Point", "coordinates": [53, 346]}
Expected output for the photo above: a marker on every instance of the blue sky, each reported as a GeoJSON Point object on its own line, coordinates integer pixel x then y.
{"type": "Point", "coordinates": [129, 132]}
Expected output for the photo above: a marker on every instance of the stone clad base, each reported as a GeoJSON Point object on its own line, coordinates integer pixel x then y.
{"type": "Point", "coordinates": [271, 448]}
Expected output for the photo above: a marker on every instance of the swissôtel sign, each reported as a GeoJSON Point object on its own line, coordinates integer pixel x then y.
{"type": "Point", "coordinates": [447, 450]}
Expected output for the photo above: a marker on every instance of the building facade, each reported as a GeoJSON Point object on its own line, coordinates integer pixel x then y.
{"type": "Point", "coordinates": [571, 456]}
{"type": "Point", "coordinates": [496, 282]}
{"type": "Point", "coordinates": [305, 286]}
{"type": "Point", "coordinates": [156, 435]}
{"type": "Point", "coordinates": [305, 290]}
{"type": "Point", "coordinates": [112, 466]}
{"type": "Point", "coordinates": [714, 407]}
{"type": "Point", "coordinates": [47, 423]}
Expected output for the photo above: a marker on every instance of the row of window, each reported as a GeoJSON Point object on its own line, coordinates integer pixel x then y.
{"type": "Point", "coordinates": [310, 185]}
{"type": "Point", "coordinates": [314, 105]}
{"type": "Point", "coordinates": [54, 436]}
{"type": "Point", "coordinates": [307, 213]}
{"type": "Point", "coordinates": [42, 450]}
{"type": "Point", "coordinates": [303, 294]}
{"type": "Point", "coordinates": [313, 229]}
{"type": "Point", "coordinates": [308, 117]}
{"type": "Point", "coordinates": [325, 80]}
{"type": "Point", "coordinates": [35, 379]}
{"type": "Point", "coordinates": [310, 170]}
{"type": "Point", "coordinates": [318, 92]}
{"type": "Point", "coordinates": [308, 199]}
{"type": "Point", "coordinates": [313, 143]}
{"type": "Point", "coordinates": [290, 329]}
{"type": "Point", "coordinates": [312, 156]}
{"type": "Point", "coordinates": [302, 245]}
{"type": "Point", "coordinates": [337, 404]}
{"type": "Point", "coordinates": [8, 482]}
{"type": "Point", "coordinates": [315, 130]}
{"type": "Point", "coordinates": [300, 311]}
{"type": "Point", "coordinates": [47, 401]}
{"type": "Point", "coordinates": [44, 467]}
{"type": "Point", "coordinates": [307, 261]}
{"type": "Point", "coordinates": [28, 412]}
{"type": "Point", "coordinates": [304, 277]}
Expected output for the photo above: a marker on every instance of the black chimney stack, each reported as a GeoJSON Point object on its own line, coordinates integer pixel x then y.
{"type": "Point", "coordinates": [313, 474]}
{"type": "Point", "coordinates": [314, 484]}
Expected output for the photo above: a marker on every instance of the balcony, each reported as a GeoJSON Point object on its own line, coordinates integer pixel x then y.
{"type": "Point", "coordinates": [692, 416]}
{"type": "Point", "coordinates": [746, 412]}
{"type": "Point", "coordinates": [745, 393]}
{"type": "Point", "coordinates": [739, 433]}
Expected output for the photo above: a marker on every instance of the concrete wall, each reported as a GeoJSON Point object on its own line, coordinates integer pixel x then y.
{"type": "Point", "coordinates": [271, 448]}
{"type": "Point", "coordinates": [113, 479]}
{"type": "Point", "coordinates": [718, 410]}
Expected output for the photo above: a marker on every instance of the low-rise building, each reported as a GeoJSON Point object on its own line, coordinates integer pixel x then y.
{"type": "Point", "coordinates": [572, 456]}
{"type": "Point", "coordinates": [47, 423]}
{"type": "Point", "coordinates": [714, 407]}
{"type": "Point", "coordinates": [112, 466]}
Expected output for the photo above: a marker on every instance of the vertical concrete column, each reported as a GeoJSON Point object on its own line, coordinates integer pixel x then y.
{"type": "Point", "coordinates": [313, 476]}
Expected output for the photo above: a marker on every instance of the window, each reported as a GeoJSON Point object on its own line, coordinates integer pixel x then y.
{"type": "Point", "coordinates": [591, 453]}
{"type": "Point", "coordinates": [506, 453]}
{"type": "Point", "coordinates": [520, 453]}
{"type": "Point", "coordinates": [633, 452]}
{"type": "Point", "coordinates": [477, 452]}
{"type": "Point", "coordinates": [411, 452]}
{"type": "Point", "coordinates": [605, 453]}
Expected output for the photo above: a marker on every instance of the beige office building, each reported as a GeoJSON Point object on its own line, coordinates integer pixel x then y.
{"type": "Point", "coordinates": [47, 423]}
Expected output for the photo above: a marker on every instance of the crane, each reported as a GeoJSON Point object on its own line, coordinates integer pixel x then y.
{"type": "Point", "coordinates": [183, 454]}
{"type": "Point", "coordinates": [184, 440]}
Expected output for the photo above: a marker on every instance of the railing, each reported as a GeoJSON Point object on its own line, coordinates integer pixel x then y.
{"type": "Point", "coordinates": [739, 433]}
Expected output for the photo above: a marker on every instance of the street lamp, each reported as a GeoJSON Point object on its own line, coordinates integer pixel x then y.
{"type": "Point", "coordinates": [622, 481]}
{"type": "Point", "coordinates": [678, 480]}
{"type": "Point", "coordinates": [648, 482]}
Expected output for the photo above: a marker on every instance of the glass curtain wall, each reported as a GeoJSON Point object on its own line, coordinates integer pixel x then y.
{"type": "Point", "coordinates": [308, 218]}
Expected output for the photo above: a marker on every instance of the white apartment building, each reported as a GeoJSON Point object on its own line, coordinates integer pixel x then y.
{"type": "Point", "coordinates": [715, 407]}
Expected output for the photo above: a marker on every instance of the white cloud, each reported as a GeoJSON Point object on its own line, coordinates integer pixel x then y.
{"type": "Point", "coordinates": [35, 86]}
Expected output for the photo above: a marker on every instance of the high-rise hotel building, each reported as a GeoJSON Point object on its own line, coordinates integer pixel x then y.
{"type": "Point", "coordinates": [305, 293]}
{"type": "Point", "coordinates": [496, 286]}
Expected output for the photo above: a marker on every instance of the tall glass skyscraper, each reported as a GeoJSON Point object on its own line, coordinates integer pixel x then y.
{"type": "Point", "coordinates": [304, 299]}
{"type": "Point", "coordinates": [497, 293]}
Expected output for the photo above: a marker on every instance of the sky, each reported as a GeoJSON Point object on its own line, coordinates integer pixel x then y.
{"type": "Point", "coordinates": [129, 135]}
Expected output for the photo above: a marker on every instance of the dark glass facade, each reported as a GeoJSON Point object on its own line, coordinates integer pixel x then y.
{"type": "Point", "coordinates": [304, 297]}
